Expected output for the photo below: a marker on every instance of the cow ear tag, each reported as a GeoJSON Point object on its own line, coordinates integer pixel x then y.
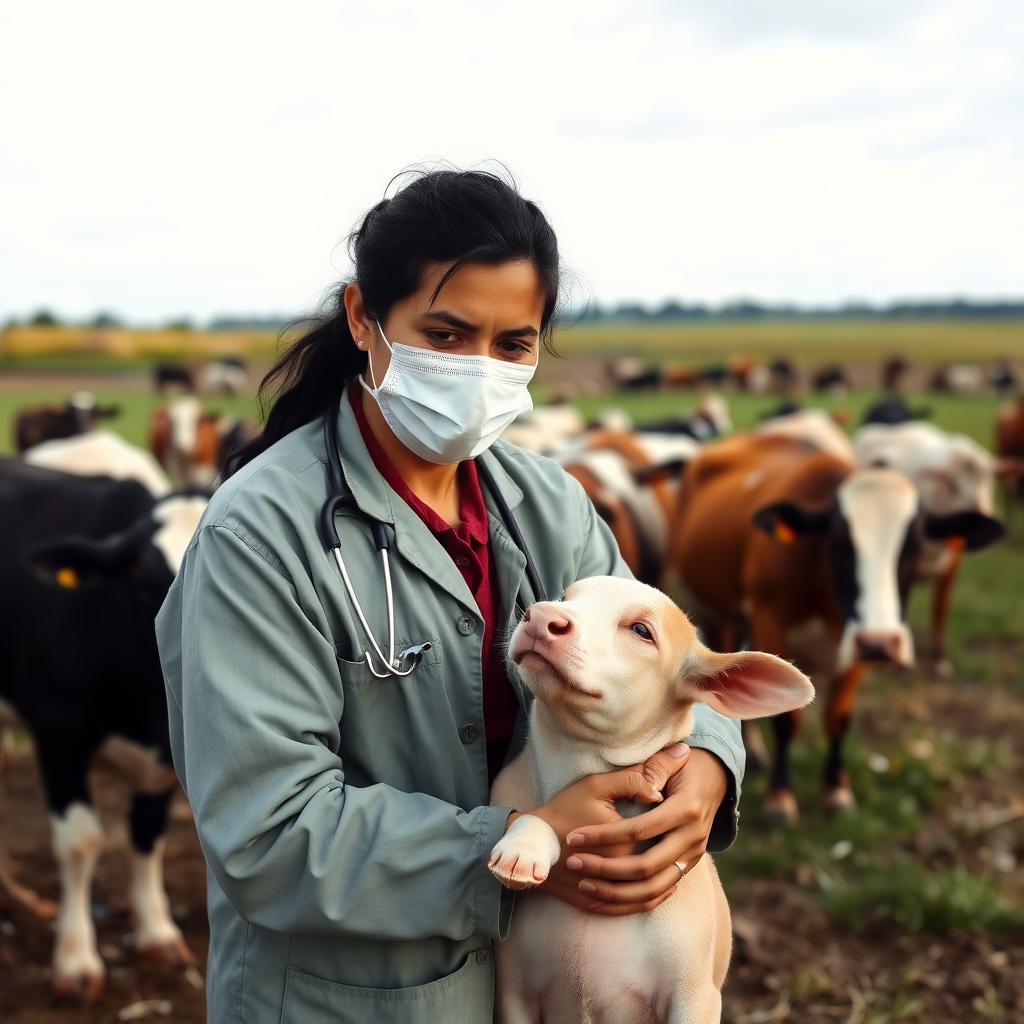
{"type": "Point", "coordinates": [67, 577]}
{"type": "Point", "coordinates": [955, 543]}
{"type": "Point", "coordinates": [783, 533]}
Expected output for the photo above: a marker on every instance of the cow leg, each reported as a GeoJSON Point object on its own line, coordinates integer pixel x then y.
{"type": "Point", "coordinates": [78, 971]}
{"type": "Point", "coordinates": [942, 666]}
{"type": "Point", "coordinates": [157, 937]}
{"type": "Point", "coordinates": [780, 806]}
{"type": "Point", "coordinates": [838, 795]}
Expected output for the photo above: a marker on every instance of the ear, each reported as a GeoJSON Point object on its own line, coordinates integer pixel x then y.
{"type": "Point", "coordinates": [656, 474]}
{"type": "Point", "coordinates": [785, 521]}
{"type": "Point", "coordinates": [83, 562]}
{"type": "Point", "coordinates": [748, 684]}
{"type": "Point", "coordinates": [974, 530]}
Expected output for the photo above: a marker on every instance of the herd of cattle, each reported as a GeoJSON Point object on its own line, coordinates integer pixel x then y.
{"type": "Point", "coordinates": [792, 538]}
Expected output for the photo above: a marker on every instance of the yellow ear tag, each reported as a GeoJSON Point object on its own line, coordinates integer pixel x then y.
{"type": "Point", "coordinates": [67, 577]}
{"type": "Point", "coordinates": [784, 533]}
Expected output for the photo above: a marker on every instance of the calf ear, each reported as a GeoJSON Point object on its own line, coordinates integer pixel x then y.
{"type": "Point", "coordinates": [785, 521]}
{"type": "Point", "coordinates": [84, 562]}
{"type": "Point", "coordinates": [973, 530]}
{"type": "Point", "coordinates": [748, 684]}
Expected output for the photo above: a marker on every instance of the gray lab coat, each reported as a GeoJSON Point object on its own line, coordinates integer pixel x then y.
{"type": "Point", "coordinates": [344, 818]}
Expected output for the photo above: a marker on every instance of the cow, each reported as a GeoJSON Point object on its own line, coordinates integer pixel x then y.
{"type": "Point", "coordinates": [85, 562]}
{"type": "Point", "coordinates": [784, 376]}
{"type": "Point", "coordinates": [952, 473]}
{"type": "Point", "coordinates": [170, 374]}
{"type": "Point", "coordinates": [807, 557]}
{"type": "Point", "coordinates": [710, 419]}
{"type": "Point", "coordinates": [78, 415]}
{"type": "Point", "coordinates": [894, 372]}
{"type": "Point", "coordinates": [629, 480]}
{"type": "Point", "coordinates": [832, 378]}
{"type": "Point", "coordinates": [102, 453]}
{"type": "Point", "coordinates": [958, 379]}
{"type": "Point", "coordinates": [894, 409]}
{"type": "Point", "coordinates": [227, 376]}
{"type": "Point", "coordinates": [545, 428]}
{"type": "Point", "coordinates": [812, 426]}
{"type": "Point", "coordinates": [192, 444]}
{"type": "Point", "coordinates": [1010, 449]}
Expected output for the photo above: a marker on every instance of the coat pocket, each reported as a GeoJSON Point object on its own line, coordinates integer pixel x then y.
{"type": "Point", "coordinates": [465, 997]}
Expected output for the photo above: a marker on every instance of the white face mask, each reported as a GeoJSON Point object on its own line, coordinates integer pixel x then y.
{"type": "Point", "coordinates": [448, 408]}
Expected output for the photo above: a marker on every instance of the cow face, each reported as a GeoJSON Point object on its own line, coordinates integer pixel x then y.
{"type": "Point", "coordinates": [873, 531]}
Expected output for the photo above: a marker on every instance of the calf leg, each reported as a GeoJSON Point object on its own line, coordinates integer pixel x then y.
{"type": "Point", "coordinates": [157, 937]}
{"type": "Point", "coordinates": [838, 794]}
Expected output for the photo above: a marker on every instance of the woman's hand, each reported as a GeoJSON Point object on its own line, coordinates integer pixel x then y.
{"type": "Point", "coordinates": [612, 882]}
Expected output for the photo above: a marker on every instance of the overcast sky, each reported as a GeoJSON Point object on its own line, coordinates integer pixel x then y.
{"type": "Point", "coordinates": [173, 158]}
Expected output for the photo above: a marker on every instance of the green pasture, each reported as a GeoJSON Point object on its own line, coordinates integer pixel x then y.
{"type": "Point", "coordinates": [810, 341]}
{"type": "Point", "coordinates": [132, 423]}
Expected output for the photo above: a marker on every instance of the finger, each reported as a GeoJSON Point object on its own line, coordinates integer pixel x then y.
{"type": "Point", "coordinates": [633, 892]}
{"type": "Point", "coordinates": [649, 825]}
{"type": "Point", "coordinates": [633, 867]}
{"type": "Point", "coordinates": [625, 784]}
{"type": "Point", "coordinates": [660, 767]}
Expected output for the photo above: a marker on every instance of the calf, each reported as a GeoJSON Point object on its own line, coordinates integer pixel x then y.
{"type": "Point", "coordinates": [85, 563]}
{"type": "Point", "coordinates": [78, 415]}
{"type": "Point", "coordinates": [811, 559]}
{"type": "Point", "coordinates": [952, 473]}
{"type": "Point", "coordinates": [616, 668]}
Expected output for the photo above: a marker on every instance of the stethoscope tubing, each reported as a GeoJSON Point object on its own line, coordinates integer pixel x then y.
{"type": "Point", "coordinates": [337, 500]}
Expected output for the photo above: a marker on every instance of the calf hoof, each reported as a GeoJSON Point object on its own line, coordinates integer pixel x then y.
{"type": "Point", "coordinates": [839, 800]}
{"type": "Point", "coordinates": [79, 985]}
{"type": "Point", "coordinates": [168, 953]}
{"type": "Point", "coordinates": [942, 668]}
{"type": "Point", "coordinates": [523, 857]}
{"type": "Point", "coordinates": [781, 809]}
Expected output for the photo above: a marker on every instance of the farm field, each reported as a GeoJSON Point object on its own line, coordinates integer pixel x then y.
{"type": "Point", "coordinates": [910, 908]}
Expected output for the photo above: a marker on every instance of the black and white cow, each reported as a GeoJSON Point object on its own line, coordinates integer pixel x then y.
{"type": "Point", "coordinates": [85, 562]}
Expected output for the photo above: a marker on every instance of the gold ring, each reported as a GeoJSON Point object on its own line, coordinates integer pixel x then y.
{"type": "Point", "coordinates": [682, 869]}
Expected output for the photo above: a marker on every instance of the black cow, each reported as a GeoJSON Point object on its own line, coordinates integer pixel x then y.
{"type": "Point", "coordinates": [78, 415]}
{"type": "Point", "coordinates": [893, 410]}
{"type": "Point", "coordinates": [171, 374]}
{"type": "Point", "coordinates": [85, 563]}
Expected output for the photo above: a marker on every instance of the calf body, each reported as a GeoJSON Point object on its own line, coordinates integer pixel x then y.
{"type": "Point", "coordinates": [616, 668]}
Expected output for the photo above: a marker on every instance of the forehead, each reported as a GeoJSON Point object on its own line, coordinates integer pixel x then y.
{"type": "Point", "coordinates": [476, 290]}
{"type": "Point", "coordinates": [877, 502]}
{"type": "Point", "coordinates": [614, 592]}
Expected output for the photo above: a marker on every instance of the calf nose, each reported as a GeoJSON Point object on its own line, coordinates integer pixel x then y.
{"type": "Point", "coordinates": [878, 645]}
{"type": "Point", "coordinates": [547, 620]}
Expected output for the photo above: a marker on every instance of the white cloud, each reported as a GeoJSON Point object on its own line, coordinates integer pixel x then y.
{"type": "Point", "coordinates": [164, 158]}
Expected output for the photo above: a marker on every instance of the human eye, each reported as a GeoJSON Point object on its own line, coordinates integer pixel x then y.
{"type": "Point", "coordinates": [515, 348]}
{"type": "Point", "coordinates": [443, 338]}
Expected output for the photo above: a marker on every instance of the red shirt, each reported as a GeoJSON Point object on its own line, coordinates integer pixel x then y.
{"type": "Point", "coordinates": [470, 549]}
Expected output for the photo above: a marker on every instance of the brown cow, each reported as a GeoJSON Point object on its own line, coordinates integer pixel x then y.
{"type": "Point", "coordinates": [809, 559]}
{"type": "Point", "coordinates": [633, 492]}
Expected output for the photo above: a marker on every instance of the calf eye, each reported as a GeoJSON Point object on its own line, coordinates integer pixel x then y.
{"type": "Point", "coordinates": [642, 631]}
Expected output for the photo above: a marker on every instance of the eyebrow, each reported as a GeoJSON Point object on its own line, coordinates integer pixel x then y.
{"type": "Point", "coordinates": [464, 325]}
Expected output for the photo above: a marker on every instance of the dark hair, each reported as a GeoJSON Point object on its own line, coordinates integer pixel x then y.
{"type": "Point", "coordinates": [454, 217]}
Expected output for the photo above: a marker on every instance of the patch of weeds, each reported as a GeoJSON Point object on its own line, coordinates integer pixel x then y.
{"type": "Point", "coordinates": [917, 900]}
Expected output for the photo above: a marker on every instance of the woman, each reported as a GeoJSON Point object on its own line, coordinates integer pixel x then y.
{"type": "Point", "coordinates": [342, 809]}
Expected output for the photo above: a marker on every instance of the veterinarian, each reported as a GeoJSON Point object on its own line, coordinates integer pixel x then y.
{"type": "Point", "coordinates": [342, 801]}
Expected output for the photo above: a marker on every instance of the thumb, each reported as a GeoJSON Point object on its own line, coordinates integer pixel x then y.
{"type": "Point", "coordinates": [628, 784]}
{"type": "Point", "coordinates": [660, 767]}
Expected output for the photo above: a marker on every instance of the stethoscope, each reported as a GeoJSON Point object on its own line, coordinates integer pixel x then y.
{"type": "Point", "coordinates": [339, 500]}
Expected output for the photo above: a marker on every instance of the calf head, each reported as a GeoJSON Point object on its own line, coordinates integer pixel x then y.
{"type": "Point", "coordinates": [618, 665]}
{"type": "Point", "coordinates": [873, 530]}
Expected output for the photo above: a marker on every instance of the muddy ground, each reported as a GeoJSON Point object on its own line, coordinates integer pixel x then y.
{"type": "Point", "coordinates": [791, 962]}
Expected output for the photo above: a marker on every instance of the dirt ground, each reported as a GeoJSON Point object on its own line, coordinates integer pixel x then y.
{"type": "Point", "coordinates": [790, 963]}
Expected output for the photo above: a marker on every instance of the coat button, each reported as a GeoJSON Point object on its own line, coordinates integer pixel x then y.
{"type": "Point", "coordinates": [466, 624]}
{"type": "Point", "coordinates": [482, 956]}
{"type": "Point", "coordinates": [468, 733]}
